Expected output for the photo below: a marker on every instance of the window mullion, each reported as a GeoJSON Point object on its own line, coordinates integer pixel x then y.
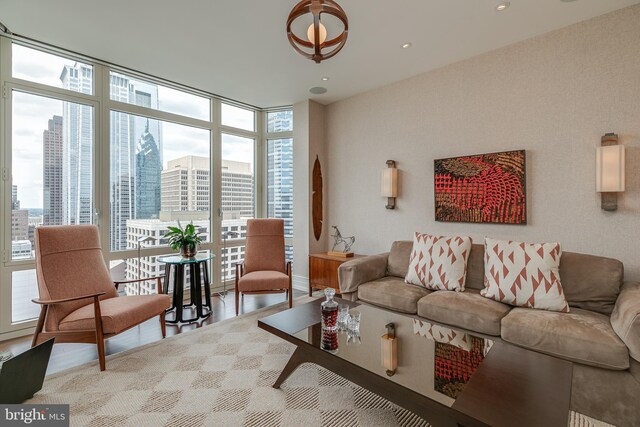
{"type": "Point", "coordinates": [216, 188]}
{"type": "Point", "coordinates": [137, 110]}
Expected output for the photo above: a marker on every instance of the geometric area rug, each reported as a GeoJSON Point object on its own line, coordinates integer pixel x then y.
{"type": "Point", "coordinates": [220, 375]}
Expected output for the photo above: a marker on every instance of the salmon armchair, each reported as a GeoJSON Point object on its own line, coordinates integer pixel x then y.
{"type": "Point", "coordinates": [264, 270]}
{"type": "Point", "coordinates": [79, 302]}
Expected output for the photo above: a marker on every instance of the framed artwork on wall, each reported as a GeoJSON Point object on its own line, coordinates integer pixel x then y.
{"type": "Point", "coordinates": [483, 188]}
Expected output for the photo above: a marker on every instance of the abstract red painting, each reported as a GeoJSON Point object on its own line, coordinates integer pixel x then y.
{"type": "Point", "coordinates": [485, 188]}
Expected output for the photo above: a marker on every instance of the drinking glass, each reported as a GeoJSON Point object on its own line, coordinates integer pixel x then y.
{"type": "Point", "coordinates": [353, 324]}
{"type": "Point", "coordinates": [343, 317]}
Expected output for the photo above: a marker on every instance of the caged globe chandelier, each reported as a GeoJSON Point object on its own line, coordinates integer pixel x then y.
{"type": "Point", "coordinates": [316, 46]}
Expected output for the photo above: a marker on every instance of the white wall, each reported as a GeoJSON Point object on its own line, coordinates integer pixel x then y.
{"type": "Point", "coordinates": [553, 95]}
{"type": "Point", "coordinates": [301, 182]}
{"type": "Point", "coordinates": [308, 142]}
{"type": "Point", "coordinates": [318, 147]}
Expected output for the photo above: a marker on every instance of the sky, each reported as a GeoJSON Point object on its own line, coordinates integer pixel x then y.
{"type": "Point", "coordinates": [31, 114]}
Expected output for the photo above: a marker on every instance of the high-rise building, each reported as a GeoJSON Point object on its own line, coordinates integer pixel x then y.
{"type": "Point", "coordinates": [21, 249]}
{"type": "Point", "coordinates": [148, 168]}
{"type": "Point", "coordinates": [185, 187]}
{"type": "Point", "coordinates": [77, 152]}
{"type": "Point", "coordinates": [280, 170]}
{"type": "Point", "coordinates": [185, 184]}
{"type": "Point", "coordinates": [280, 121]}
{"type": "Point", "coordinates": [19, 228]}
{"type": "Point", "coordinates": [280, 182]}
{"type": "Point", "coordinates": [19, 217]}
{"type": "Point", "coordinates": [19, 224]}
{"type": "Point", "coordinates": [15, 203]}
{"type": "Point", "coordinates": [125, 129]}
{"type": "Point", "coordinates": [237, 190]}
{"type": "Point", "coordinates": [52, 143]}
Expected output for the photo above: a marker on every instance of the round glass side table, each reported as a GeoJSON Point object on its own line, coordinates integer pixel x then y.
{"type": "Point", "coordinates": [175, 266]}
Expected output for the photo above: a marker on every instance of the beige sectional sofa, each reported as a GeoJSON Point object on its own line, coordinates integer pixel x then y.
{"type": "Point", "coordinates": [600, 334]}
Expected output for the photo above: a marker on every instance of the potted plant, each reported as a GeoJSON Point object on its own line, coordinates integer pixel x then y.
{"type": "Point", "coordinates": [184, 239]}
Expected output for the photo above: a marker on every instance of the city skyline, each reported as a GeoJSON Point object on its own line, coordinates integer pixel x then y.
{"type": "Point", "coordinates": [33, 65]}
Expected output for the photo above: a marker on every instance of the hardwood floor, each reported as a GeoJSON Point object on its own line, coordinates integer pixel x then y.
{"type": "Point", "coordinates": [66, 356]}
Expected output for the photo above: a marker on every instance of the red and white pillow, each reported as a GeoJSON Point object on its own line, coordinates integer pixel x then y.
{"type": "Point", "coordinates": [524, 274]}
{"type": "Point", "coordinates": [439, 263]}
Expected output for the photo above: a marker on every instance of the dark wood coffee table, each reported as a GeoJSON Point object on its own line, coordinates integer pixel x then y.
{"type": "Point", "coordinates": [508, 385]}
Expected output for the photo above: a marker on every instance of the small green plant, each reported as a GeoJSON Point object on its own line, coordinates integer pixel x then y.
{"type": "Point", "coordinates": [184, 239]}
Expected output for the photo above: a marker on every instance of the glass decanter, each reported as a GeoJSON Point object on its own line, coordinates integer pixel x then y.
{"type": "Point", "coordinates": [329, 310]}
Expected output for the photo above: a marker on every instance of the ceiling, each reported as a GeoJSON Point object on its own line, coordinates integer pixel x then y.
{"type": "Point", "coordinates": [238, 48]}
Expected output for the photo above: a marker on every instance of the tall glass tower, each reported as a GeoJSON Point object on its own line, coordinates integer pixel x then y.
{"type": "Point", "coordinates": [125, 129]}
{"type": "Point", "coordinates": [52, 145]}
{"type": "Point", "coordinates": [77, 152]}
{"type": "Point", "coordinates": [280, 171]}
{"type": "Point", "coordinates": [148, 168]}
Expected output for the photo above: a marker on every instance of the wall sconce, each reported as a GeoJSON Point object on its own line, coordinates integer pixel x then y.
{"type": "Point", "coordinates": [390, 184]}
{"type": "Point", "coordinates": [610, 171]}
{"type": "Point", "coordinates": [390, 350]}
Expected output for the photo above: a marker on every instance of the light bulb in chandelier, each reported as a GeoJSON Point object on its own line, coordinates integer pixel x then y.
{"type": "Point", "coordinates": [311, 33]}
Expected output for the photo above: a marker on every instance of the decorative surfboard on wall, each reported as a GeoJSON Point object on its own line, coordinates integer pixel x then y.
{"type": "Point", "coordinates": [484, 188]}
{"type": "Point", "coordinates": [316, 206]}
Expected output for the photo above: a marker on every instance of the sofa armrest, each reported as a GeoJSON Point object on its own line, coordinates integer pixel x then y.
{"type": "Point", "coordinates": [625, 318]}
{"type": "Point", "coordinates": [352, 274]}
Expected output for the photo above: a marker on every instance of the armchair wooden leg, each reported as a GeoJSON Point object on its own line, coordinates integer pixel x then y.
{"type": "Point", "coordinates": [99, 333]}
{"type": "Point", "coordinates": [101, 355]}
{"type": "Point", "coordinates": [40, 325]}
{"type": "Point", "coordinates": [290, 291]}
{"type": "Point", "coordinates": [163, 325]}
{"type": "Point", "coordinates": [237, 301]}
{"type": "Point", "coordinates": [236, 290]}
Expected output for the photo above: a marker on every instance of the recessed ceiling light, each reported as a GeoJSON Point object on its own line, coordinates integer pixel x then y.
{"type": "Point", "coordinates": [324, 79]}
{"type": "Point", "coordinates": [406, 45]}
{"type": "Point", "coordinates": [318, 90]}
{"type": "Point", "coordinates": [503, 6]}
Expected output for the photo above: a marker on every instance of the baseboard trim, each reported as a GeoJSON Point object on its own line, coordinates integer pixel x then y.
{"type": "Point", "coordinates": [300, 283]}
{"type": "Point", "coordinates": [17, 333]}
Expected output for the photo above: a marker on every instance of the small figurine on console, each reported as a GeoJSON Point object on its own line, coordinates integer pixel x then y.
{"type": "Point", "coordinates": [346, 243]}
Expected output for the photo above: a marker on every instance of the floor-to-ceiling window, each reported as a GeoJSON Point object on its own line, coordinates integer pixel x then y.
{"type": "Point", "coordinates": [239, 181]}
{"type": "Point", "coordinates": [85, 142]}
{"type": "Point", "coordinates": [48, 163]}
{"type": "Point", "coordinates": [279, 167]}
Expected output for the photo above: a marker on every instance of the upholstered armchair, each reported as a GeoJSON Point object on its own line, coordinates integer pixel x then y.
{"type": "Point", "coordinates": [264, 269]}
{"type": "Point", "coordinates": [79, 302]}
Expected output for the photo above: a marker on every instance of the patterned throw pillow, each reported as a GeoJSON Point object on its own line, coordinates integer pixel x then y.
{"type": "Point", "coordinates": [524, 274]}
{"type": "Point", "coordinates": [439, 263]}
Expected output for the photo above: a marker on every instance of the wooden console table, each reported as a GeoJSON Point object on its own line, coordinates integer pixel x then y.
{"type": "Point", "coordinates": [323, 271]}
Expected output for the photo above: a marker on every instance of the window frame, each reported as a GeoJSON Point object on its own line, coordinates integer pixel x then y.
{"type": "Point", "coordinates": [102, 103]}
{"type": "Point", "coordinates": [266, 136]}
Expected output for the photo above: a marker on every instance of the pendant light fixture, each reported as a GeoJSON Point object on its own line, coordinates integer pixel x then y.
{"type": "Point", "coordinates": [317, 46]}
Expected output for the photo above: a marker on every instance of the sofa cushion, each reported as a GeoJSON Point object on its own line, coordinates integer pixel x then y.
{"type": "Point", "coordinates": [591, 282]}
{"type": "Point", "coordinates": [580, 336]}
{"type": "Point", "coordinates": [524, 274]}
{"type": "Point", "coordinates": [468, 310]}
{"type": "Point", "coordinates": [118, 313]}
{"type": "Point", "coordinates": [475, 268]}
{"type": "Point", "coordinates": [439, 262]}
{"type": "Point", "coordinates": [399, 255]}
{"type": "Point", "coordinates": [392, 293]}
